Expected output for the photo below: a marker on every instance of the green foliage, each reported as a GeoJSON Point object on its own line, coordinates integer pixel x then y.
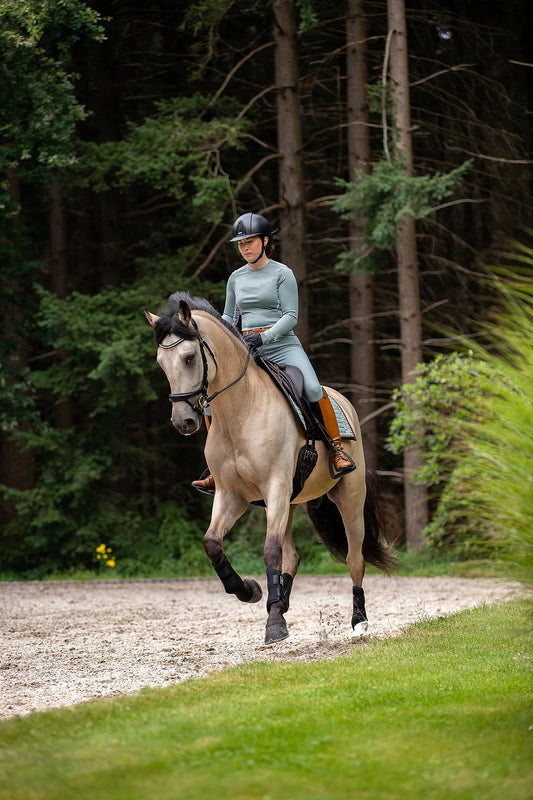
{"type": "Point", "coordinates": [431, 412]}
{"type": "Point", "coordinates": [39, 115]}
{"type": "Point", "coordinates": [17, 394]}
{"type": "Point", "coordinates": [59, 521]}
{"type": "Point", "coordinates": [376, 97]}
{"type": "Point", "coordinates": [473, 419]}
{"type": "Point", "coordinates": [459, 729]}
{"type": "Point", "coordinates": [500, 456]}
{"type": "Point", "coordinates": [385, 198]}
{"type": "Point", "coordinates": [108, 373]}
{"type": "Point", "coordinates": [177, 150]}
{"type": "Point", "coordinates": [308, 15]}
{"type": "Point", "coordinates": [96, 351]}
{"type": "Point", "coordinates": [167, 543]}
{"type": "Point", "coordinates": [175, 156]}
{"type": "Point", "coordinates": [203, 20]}
{"type": "Point", "coordinates": [206, 14]}
{"type": "Point", "coordinates": [244, 545]}
{"type": "Point", "coordinates": [78, 503]}
{"type": "Point", "coordinates": [106, 347]}
{"type": "Point", "coordinates": [39, 107]}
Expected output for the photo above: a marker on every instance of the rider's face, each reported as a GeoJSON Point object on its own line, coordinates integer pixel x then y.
{"type": "Point", "coordinates": [250, 249]}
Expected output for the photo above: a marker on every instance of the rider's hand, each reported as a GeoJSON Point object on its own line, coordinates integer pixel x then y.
{"type": "Point", "coordinates": [253, 341]}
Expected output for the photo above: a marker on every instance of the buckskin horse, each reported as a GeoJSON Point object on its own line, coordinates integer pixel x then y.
{"type": "Point", "coordinates": [252, 450]}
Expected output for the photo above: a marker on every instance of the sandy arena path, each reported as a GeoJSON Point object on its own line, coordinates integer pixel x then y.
{"type": "Point", "coordinates": [63, 643]}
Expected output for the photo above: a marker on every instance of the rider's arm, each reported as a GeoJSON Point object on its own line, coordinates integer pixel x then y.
{"type": "Point", "coordinates": [288, 299]}
{"type": "Point", "coordinates": [231, 312]}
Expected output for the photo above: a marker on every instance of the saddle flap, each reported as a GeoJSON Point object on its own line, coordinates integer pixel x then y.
{"type": "Point", "coordinates": [288, 378]}
{"type": "Point", "coordinates": [290, 382]}
{"type": "Point", "coordinates": [295, 377]}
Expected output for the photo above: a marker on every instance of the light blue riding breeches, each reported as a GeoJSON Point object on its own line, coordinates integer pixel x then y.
{"type": "Point", "coordinates": [289, 350]}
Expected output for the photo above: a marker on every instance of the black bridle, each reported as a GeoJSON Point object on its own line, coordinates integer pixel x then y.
{"type": "Point", "coordinates": [201, 391]}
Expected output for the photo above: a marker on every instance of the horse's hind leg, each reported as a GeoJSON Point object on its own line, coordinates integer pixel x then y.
{"type": "Point", "coordinates": [349, 496]}
{"type": "Point", "coordinates": [289, 563]}
{"type": "Point", "coordinates": [225, 513]}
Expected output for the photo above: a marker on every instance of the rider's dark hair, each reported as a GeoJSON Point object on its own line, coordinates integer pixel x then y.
{"type": "Point", "coordinates": [270, 245]}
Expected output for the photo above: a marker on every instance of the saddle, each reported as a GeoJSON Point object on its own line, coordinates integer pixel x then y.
{"type": "Point", "coordinates": [290, 382]}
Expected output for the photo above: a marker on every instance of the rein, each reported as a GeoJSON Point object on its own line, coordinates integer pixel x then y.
{"type": "Point", "coordinates": [203, 398]}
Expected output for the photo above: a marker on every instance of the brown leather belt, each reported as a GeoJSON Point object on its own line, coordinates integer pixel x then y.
{"type": "Point", "coordinates": [255, 330]}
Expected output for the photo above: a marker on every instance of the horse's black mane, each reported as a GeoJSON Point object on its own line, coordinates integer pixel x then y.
{"type": "Point", "coordinates": [169, 321]}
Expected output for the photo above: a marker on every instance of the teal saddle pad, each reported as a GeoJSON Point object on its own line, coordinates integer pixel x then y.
{"type": "Point", "coordinates": [345, 429]}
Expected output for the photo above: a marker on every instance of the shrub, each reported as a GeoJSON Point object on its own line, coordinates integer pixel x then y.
{"type": "Point", "coordinates": [472, 415]}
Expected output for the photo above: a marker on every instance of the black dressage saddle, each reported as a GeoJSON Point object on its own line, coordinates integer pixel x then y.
{"type": "Point", "coordinates": [290, 382]}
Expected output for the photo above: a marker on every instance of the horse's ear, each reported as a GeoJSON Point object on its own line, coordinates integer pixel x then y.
{"type": "Point", "coordinates": [152, 318]}
{"type": "Point", "coordinates": [184, 313]}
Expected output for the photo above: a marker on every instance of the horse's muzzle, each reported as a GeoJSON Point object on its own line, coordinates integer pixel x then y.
{"type": "Point", "coordinates": [186, 425]}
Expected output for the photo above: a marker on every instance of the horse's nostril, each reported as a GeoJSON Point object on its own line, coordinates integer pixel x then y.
{"type": "Point", "coordinates": [185, 426]}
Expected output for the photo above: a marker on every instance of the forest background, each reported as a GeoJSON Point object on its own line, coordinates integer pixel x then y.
{"type": "Point", "coordinates": [132, 135]}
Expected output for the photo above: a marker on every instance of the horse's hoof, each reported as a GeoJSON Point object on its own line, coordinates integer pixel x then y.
{"type": "Point", "coordinates": [360, 629]}
{"type": "Point", "coordinates": [254, 588]}
{"type": "Point", "coordinates": [276, 633]}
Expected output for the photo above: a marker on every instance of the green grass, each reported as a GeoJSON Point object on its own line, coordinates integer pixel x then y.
{"type": "Point", "coordinates": [443, 711]}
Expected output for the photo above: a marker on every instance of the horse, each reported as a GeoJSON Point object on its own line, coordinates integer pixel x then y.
{"type": "Point", "coordinates": [251, 449]}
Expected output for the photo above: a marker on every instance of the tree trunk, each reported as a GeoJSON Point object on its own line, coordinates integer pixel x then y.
{"type": "Point", "coordinates": [16, 463]}
{"type": "Point", "coordinates": [415, 497]}
{"type": "Point", "coordinates": [291, 183]}
{"type": "Point", "coordinates": [362, 359]}
{"type": "Point", "coordinates": [58, 263]}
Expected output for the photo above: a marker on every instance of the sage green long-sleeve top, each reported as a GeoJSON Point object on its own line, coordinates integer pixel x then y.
{"type": "Point", "coordinates": [268, 298]}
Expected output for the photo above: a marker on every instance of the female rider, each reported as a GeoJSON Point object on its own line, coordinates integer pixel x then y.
{"type": "Point", "coordinates": [264, 293]}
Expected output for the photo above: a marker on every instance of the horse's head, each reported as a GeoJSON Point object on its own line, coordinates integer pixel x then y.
{"type": "Point", "coordinates": [181, 356]}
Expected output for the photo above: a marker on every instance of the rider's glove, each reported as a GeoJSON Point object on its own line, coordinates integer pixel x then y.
{"type": "Point", "coordinates": [253, 341]}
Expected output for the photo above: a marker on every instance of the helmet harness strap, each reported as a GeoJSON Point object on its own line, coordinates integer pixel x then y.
{"type": "Point", "coordinates": [260, 256]}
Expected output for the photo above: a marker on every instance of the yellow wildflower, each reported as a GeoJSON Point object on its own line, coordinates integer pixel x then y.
{"type": "Point", "coordinates": [103, 552]}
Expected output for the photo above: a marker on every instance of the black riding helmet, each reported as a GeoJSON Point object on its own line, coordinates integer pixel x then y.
{"type": "Point", "coordinates": [250, 224]}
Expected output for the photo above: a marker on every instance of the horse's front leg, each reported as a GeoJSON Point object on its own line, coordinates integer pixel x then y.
{"type": "Point", "coordinates": [278, 554]}
{"type": "Point", "coordinates": [226, 511]}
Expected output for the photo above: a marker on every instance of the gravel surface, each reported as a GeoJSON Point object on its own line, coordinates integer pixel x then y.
{"type": "Point", "coordinates": [63, 643]}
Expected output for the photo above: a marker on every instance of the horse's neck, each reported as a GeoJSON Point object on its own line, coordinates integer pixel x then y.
{"type": "Point", "coordinates": [238, 407]}
{"type": "Point", "coordinates": [231, 360]}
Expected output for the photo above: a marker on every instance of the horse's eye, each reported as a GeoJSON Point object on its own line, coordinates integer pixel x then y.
{"type": "Point", "coordinates": [189, 359]}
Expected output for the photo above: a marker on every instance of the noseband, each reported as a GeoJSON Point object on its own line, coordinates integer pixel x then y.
{"type": "Point", "coordinates": [201, 391]}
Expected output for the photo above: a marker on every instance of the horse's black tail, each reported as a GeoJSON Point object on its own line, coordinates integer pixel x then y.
{"type": "Point", "coordinates": [327, 520]}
